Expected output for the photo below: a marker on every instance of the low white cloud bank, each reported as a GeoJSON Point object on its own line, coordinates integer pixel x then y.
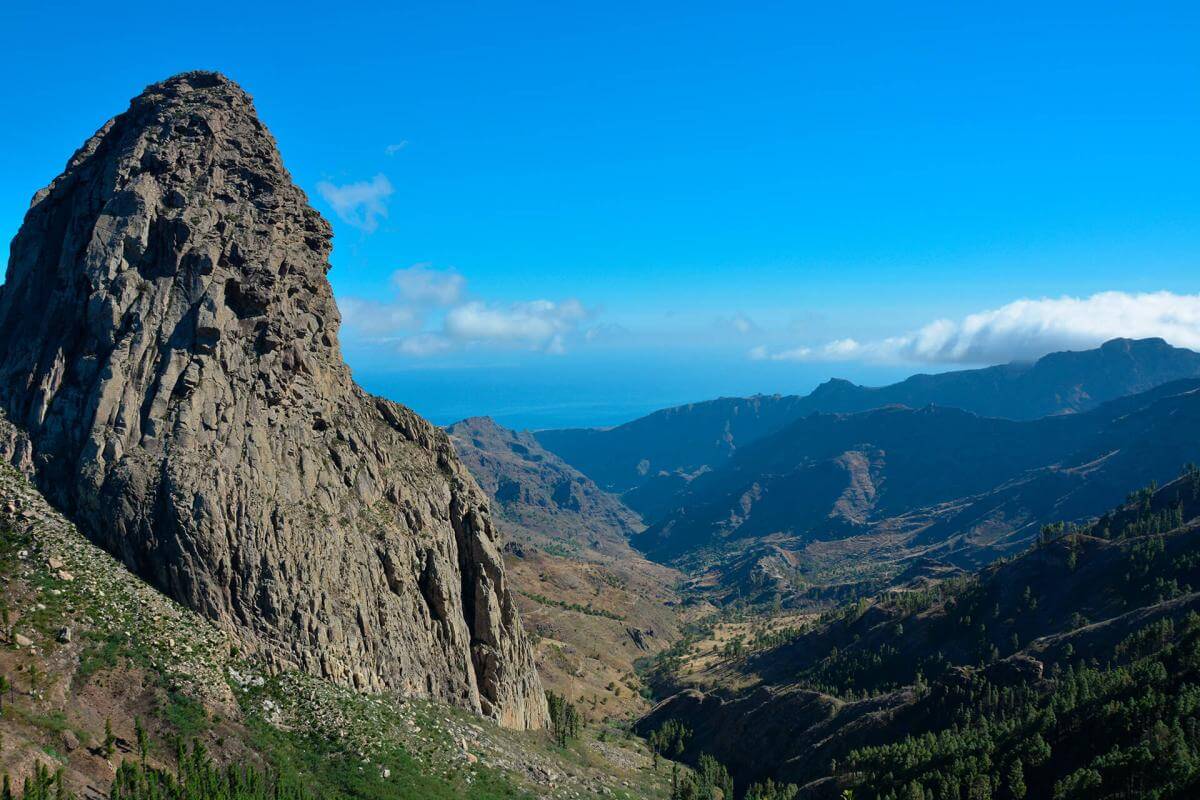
{"type": "Point", "coordinates": [360, 204]}
{"type": "Point", "coordinates": [1022, 331]}
{"type": "Point", "coordinates": [431, 313]}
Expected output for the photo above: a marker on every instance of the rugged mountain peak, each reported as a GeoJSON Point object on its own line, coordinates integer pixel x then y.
{"type": "Point", "coordinates": [168, 346]}
{"type": "Point", "coordinates": [1149, 344]}
{"type": "Point", "coordinates": [834, 388]}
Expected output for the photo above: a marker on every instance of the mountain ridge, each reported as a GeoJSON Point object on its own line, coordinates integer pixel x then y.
{"type": "Point", "coordinates": [659, 453]}
{"type": "Point", "coordinates": [984, 484]}
{"type": "Point", "coordinates": [531, 486]}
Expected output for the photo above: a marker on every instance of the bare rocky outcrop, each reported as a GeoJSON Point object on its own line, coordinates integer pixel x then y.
{"type": "Point", "coordinates": [168, 346]}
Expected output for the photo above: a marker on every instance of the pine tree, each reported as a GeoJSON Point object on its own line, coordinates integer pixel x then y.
{"type": "Point", "coordinates": [1016, 780]}
{"type": "Point", "coordinates": [140, 735]}
{"type": "Point", "coordinates": [109, 740]}
{"type": "Point", "coordinates": [772, 791]}
{"type": "Point", "coordinates": [200, 779]}
{"type": "Point", "coordinates": [565, 719]}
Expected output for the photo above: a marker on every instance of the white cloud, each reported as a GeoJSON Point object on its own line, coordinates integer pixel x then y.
{"type": "Point", "coordinates": [392, 149]}
{"type": "Point", "coordinates": [538, 324]}
{"type": "Point", "coordinates": [422, 285]}
{"type": "Point", "coordinates": [1022, 331]}
{"type": "Point", "coordinates": [358, 204]}
{"type": "Point", "coordinates": [430, 313]}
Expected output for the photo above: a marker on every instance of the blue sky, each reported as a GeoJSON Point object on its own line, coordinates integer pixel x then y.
{"type": "Point", "coordinates": [574, 213]}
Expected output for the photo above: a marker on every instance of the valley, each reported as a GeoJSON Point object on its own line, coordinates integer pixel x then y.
{"type": "Point", "coordinates": [963, 685]}
{"type": "Point", "coordinates": [592, 604]}
{"type": "Point", "coordinates": [845, 502]}
{"type": "Point", "coordinates": [852, 584]}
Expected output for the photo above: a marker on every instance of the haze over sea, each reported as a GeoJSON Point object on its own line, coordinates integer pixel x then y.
{"type": "Point", "coordinates": [597, 393]}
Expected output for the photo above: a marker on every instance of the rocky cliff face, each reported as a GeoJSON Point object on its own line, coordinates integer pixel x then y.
{"type": "Point", "coordinates": [168, 346]}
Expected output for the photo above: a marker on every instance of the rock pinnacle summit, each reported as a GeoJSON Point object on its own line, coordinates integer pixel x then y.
{"type": "Point", "coordinates": [169, 361]}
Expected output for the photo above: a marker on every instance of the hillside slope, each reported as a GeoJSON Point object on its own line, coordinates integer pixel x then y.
{"type": "Point", "coordinates": [981, 685]}
{"type": "Point", "coordinates": [537, 494]}
{"type": "Point", "coordinates": [87, 647]}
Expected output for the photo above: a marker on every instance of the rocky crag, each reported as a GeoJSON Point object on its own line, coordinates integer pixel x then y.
{"type": "Point", "coordinates": [169, 357]}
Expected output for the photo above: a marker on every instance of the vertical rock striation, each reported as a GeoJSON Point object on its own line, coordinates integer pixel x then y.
{"type": "Point", "coordinates": [168, 346]}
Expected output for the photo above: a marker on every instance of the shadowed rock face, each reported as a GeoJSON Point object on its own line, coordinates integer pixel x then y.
{"type": "Point", "coordinates": [168, 344]}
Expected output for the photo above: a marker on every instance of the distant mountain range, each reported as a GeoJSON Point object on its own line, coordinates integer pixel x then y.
{"type": "Point", "coordinates": [830, 476]}
{"type": "Point", "coordinates": [955, 469]}
{"type": "Point", "coordinates": [905, 591]}
{"type": "Point", "coordinates": [653, 456]}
